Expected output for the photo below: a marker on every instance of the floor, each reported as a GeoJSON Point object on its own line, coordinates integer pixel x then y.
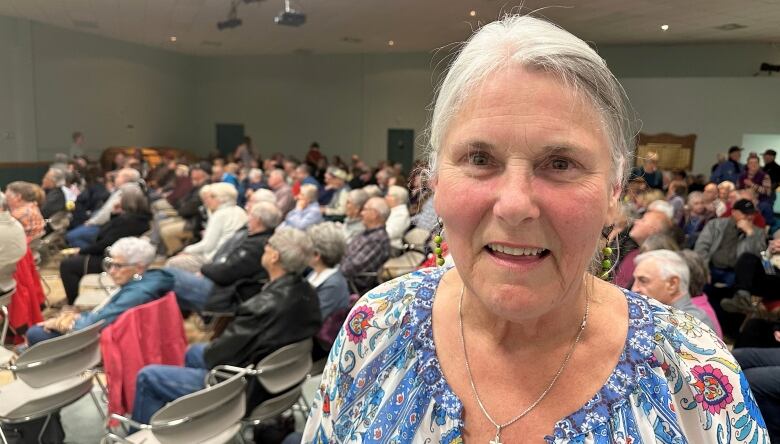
{"type": "Point", "coordinates": [81, 420]}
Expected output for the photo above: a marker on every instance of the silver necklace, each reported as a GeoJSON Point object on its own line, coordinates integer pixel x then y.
{"type": "Point", "coordinates": [497, 439]}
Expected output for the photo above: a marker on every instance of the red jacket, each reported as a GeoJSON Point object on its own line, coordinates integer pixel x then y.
{"type": "Point", "coordinates": [152, 333]}
{"type": "Point", "coordinates": [25, 308]}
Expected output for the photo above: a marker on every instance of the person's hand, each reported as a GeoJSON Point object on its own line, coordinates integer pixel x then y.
{"type": "Point", "coordinates": [774, 246]}
{"type": "Point", "coordinates": [746, 226]}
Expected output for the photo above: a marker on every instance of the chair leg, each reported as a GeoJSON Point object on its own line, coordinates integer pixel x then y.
{"type": "Point", "coordinates": [97, 405]}
{"type": "Point", "coordinates": [6, 322]}
{"type": "Point", "coordinates": [43, 429]}
{"type": "Point", "coordinates": [2, 436]}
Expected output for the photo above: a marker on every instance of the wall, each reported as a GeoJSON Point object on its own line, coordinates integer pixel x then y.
{"type": "Point", "coordinates": [17, 111]}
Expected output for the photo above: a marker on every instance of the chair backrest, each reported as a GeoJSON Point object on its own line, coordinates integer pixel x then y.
{"type": "Point", "coordinates": [416, 239]}
{"type": "Point", "coordinates": [285, 368]}
{"type": "Point", "coordinates": [202, 415]}
{"type": "Point", "coordinates": [60, 358]}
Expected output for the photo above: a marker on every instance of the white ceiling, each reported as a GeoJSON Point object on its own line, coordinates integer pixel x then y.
{"type": "Point", "coordinates": [414, 25]}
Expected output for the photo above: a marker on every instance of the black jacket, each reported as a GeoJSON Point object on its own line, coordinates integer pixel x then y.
{"type": "Point", "coordinates": [89, 201]}
{"type": "Point", "coordinates": [285, 311]}
{"type": "Point", "coordinates": [119, 226]}
{"type": "Point", "coordinates": [189, 204]}
{"type": "Point", "coordinates": [53, 203]}
{"type": "Point", "coordinates": [235, 265]}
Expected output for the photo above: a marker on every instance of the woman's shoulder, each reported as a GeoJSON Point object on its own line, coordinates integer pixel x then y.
{"type": "Point", "coordinates": [705, 386]}
{"type": "Point", "coordinates": [396, 296]}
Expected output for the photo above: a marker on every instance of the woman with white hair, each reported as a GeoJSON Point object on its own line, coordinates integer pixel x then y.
{"type": "Point", "coordinates": [353, 223]}
{"type": "Point", "coordinates": [325, 277]}
{"type": "Point", "coordinates": [127, 264]}
{"type": "Point", "coordinates": [399, 221]}
{"type": "Point", "coordinates": [225, 218]}
{"type": "Point", "coordinates": [307, 211]}
{"type": "Point", "coordinates": [520, 341]}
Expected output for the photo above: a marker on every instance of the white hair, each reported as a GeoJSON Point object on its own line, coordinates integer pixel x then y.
{"type": "Point", "coordinates": [662, 207]}
{"type": "Point", "coordinates": [695, 195]}
{"type": "Point", "coordinates": [358, 197]}
{"type": "Point", "coordinates": [669, 264]}
{"type": "Point", "coordinates": [328, 240]}
{"type": "Point", "coordinates": [379, 204]}
{"type": "Point", "coordinates": [3, 203]}
{"type": "Point", "coordinates": [400, 194]}
{"type": "Point", "coordinates": [310, 192]}
{"type": "Point", "coordinates": [263, 195]}
{"type": "Point", "coordinates": [539, 45]}
{"type": "Point", "coordinates": [134, 250]}
{"type": "Point", "coordinates": [267, 213]}
{"type": "Point", "coordinates": [294, 247]}
{"type": "Point", "coordinates": [223, 192]}
{"type": "Point", "coordinates": [131, 174]}
{"type": "Point", "coordinates": [256, 174]}
{"type": "Point", "coordinates": [57, 176]}
{"type": "Point", "coordinates": [373, 190]}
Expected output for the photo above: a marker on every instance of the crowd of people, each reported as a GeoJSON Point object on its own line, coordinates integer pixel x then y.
{"type": "Point", "coordinates": [281, 248]}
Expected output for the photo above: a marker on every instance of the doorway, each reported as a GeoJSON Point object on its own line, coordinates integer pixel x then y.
{"type": "Point", "coordinates": [400, 147]}
{"type": "Point", "coordinates": [229, 136]}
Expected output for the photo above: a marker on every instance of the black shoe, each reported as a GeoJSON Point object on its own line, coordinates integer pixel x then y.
{"type": "Point", "coordinates": [742, 302]}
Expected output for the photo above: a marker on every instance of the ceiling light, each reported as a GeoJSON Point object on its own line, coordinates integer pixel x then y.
{"type": "Point", "coordinates": [390, 43]}
{"type": "Point", "coordinates": [473, 13]}
{"type": "Point", "coordinates": [173, 39]}
{"type": "Point", "coordinates": [664, 27]}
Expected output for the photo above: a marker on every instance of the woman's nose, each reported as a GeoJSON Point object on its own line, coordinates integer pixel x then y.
{"type": "Point", "coordinates": [516, 202]}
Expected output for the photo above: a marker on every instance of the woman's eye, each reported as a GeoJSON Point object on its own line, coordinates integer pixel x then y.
{"type": "Point", "coordinates": [479, 159]}
{"type": "Point", "coordinates": [560, 164]}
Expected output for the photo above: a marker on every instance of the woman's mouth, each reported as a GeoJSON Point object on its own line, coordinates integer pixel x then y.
{"type": "Point", "coordinates": [516, 255]}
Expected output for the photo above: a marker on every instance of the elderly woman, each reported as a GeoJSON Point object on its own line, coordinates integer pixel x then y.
{"type": "Point", "coordinates": [284, 312]}
{"type": "Point", "coordinates": [334, 196]}
{"type": "Point", "coordinates": [353, 223]}
{"type": "Point", "coordinates": [519, 342]}
{"type": "Point", "coordinates": [131, 217]}
{"type": "Point", "coordinates": [325, 277]}
{"type": "Point", "coordinates": [127, 265]}
{"type": "Point", "coordinates": [23, 199]}
{"type": "Point", "coordinates": [225, 218]}
{"type": "Point", "coordinates": [307, 210]}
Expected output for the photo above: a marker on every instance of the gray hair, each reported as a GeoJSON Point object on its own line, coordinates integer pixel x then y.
{"type": "Point", "coordinates": [223, 192]}
{"type": "Point", "coordinates": [263, 195]}
{"type": "Point", "coordinates": [135, 250]}
{"type": "Point", "coordinates": [700, 273]}
{"type": "Point", "coordinates": [57, 175]}
{"type": "Point", "coordinates": [536, 44]}
{"type": "Point", "coordinates": [669, 264]}
{"type": "Point", "coordinates": [267, 213]}
{"type": "Point", "coordinates": [373, 190]}
{"type": "Point", "coordinates": [310, 192]}
{"type": "Point", "coordinates": [400, 194]}
{"type": "Point", "coordinates": [379, 204]}
{"type": "Point", "coordinates": [660, 241]}
{"type": "Point", "coordinates": [3, 203]}
{"type": "Point", "coordinates": [131, 174]}
{"type": "Point", "coordinates": [329, 241]}
{"type": "Point", "coordinates": [133, 199]}
{"type": "Point", "coordinates": [358, 197]}
{"type": "Point", "coordinates": [278, 171]}
{"type": "Point", "coordinates": [694, 195]}
{"type": "Point", "coordinates": [662, 207]}
{"type": "Point", "coordinates": [256, 174]}
{"type": "Point", "coordinates": [294, 247]}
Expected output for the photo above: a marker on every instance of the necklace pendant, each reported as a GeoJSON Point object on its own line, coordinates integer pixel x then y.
{"type": "Point", "coordinates": [497, 439]}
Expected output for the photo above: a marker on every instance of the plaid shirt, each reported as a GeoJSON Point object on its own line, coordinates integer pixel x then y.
{"type": "Point", "coordinates": [365, 254]}
{"type": "Point", "coordinates": [28, 214]}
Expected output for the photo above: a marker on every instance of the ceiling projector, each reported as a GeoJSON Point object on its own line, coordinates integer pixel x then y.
{"type": "Point", "coordinates": [290, 17]}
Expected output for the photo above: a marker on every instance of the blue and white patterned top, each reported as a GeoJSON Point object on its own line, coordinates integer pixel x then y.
{"type": "Point", "coordinates": [675, 381]}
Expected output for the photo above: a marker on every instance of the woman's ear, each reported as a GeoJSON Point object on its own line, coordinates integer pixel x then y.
{"type": "Point", "coordinates": [613, 205]}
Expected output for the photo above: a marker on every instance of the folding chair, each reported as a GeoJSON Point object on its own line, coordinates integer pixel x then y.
{"type": "Point", "coordinates": [209, 416]}
{"type": "Point", "coordinates": [49, 376]}
{"type": "Point", "coordinates": [5, 300]}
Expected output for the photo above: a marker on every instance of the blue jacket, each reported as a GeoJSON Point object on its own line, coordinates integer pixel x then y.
{"type": "Point", "coordinates": [728, 170]}
{"type": "Point", "coordinates": [154, 284]}
{"type": "Point", "coordinates": [302, 219]}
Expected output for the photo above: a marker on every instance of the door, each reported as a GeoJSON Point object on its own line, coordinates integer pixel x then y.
{"type": "Point", "coordinates": [229, 136]}
{"type": "Point", "coordinates": [400, 147]}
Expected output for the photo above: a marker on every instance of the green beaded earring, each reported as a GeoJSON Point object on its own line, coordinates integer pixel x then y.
{"type": "Point", "coordinates": [606, 254]}
{"type": "Point", "coordinates": [437, 239]}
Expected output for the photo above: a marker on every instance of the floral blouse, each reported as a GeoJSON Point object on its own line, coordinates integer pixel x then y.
{"type": "Point", "coordinates": [675, 381]}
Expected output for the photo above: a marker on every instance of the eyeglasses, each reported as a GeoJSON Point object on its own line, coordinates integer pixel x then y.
{"type": "Point", "coordinates": [109, 263]}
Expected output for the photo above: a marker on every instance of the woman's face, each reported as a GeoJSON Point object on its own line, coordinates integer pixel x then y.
{"type": "Point", "coordinates": [12, 199]}
{"type": "Point", "coordinates": [529, 157]}
{"type": "Point", "coordinates": [752, 164]}
{"type": "Point", "coordinates": [121, 271]}
{"type": "Point", "coordinates": [697, 206]}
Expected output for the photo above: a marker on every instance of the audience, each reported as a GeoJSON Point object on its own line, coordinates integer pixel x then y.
{"type": "Point", "coordinates": [399, 220]}
{"type": "Point", "coordinates": [174, 230]}
{"type": "Point", "coordinates": [225, 218]}
{"type": "Point", "coordinates": [652, 222]}
{"type": "Point", "coordinates": [127, 264]}
{"type": "Point", "coordinates": [52, 183]}
{"type": "Point", "coordinates": [284, 312]}
{"type": "Point", "coordinates": [334, 196]}
{"type": "Point", "coordinates": [353, 223]}
{"type": "Point", "coordinates": [130, 218]}
{"type": "Point", "coordinates": [369, 249]}
{"type": "Point", "coordinates": [23, 198]}
{"type": "Point", "coordinates": [326, 278]}
{"type": "Point", "coordinates": [731, 169]}
{"type": "Point", "coordinates": [277, 181]}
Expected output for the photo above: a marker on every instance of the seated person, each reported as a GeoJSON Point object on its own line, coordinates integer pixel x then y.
{"type": "Point", "coordinates": [175, 230]}
{"type": "Point", "coordinates": [334, 197]}
{"type": "Point", "coordinates": [664, 276]}
{"type": "Point", "coordinates": [370, 249]}
{"type": "Point", "coordinates": [307, 211]}
{"type": "Point", "coordinates": [696, 216]}
{"type": "Point", "coordinates": [762, 370]}
{"type": "Point", "coordinates": [84, 235]}
{"type": "Point", "coordinates": [725, 239]}
{"type": "Point", "coordinates": [23, 200]}
{"type": "Point", "coordinates": [284, 312]}
{"type": "Point", "coordinates": [225, 218]}
{"type": "Point", "coordinates": [651, 223]}
{"type": "Point", "coordinates": [237, 260]}
{"type": "Point", "coordinates": [14, 242]}
{"type": "Point", "coordinates": [751, 278]}
{"type": "Point", "coordinates": [399, 220]}
{"type": "Point", "coordinates": [52, 184]}
{"type": "Point", "coordinates": [127, 265]}
{"type": "Point", "coordinates": [353, 223]}
{"type": "Point", "coordinates": [130, 218]}
{"type": "Point", "coordinates": [700, 275]}
{"type": "Point", "coordinates": [325, 277]}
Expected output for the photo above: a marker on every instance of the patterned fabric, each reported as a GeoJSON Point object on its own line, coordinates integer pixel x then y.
{"type": "Point", "coordinates": [365, 254]}
{"type": "Point", "coordinates": [675, 382]}
{"type": "Point", "coordinates": [28, 214]}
